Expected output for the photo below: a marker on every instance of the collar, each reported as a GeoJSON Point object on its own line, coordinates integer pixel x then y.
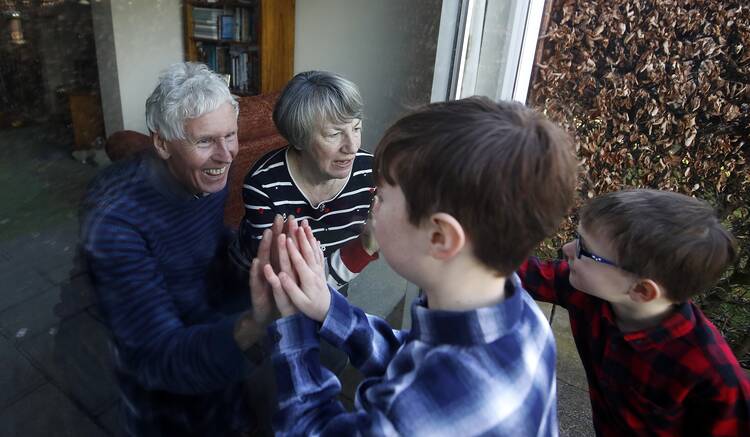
{"type": "Point", "coordinates": [679, 323]}
{"type": "Point", "coordinates": [164, 182]}
{"type": "Point", "coordinates": [473, 327]}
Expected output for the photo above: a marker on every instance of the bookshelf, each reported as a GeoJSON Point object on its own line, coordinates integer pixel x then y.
{"type": "Point", "coordinates": [250, 40]}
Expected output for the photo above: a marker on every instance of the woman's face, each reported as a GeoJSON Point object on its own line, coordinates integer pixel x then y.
{"type": "Point", "coordinates": [333, 147]}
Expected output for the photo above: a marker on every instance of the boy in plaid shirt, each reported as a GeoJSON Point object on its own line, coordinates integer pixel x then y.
{"type": "Point", "coordinates": [655, 365]}
{"type": "Point", "coordinates": [462, 200]}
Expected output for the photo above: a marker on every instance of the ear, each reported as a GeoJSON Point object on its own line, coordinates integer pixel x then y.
{"type": "Point", "coordinates": [161, 146]}
{"type": "Point", "coordinates": [645, 290]}
{"type": "Point", "coordinates": [447, 236]}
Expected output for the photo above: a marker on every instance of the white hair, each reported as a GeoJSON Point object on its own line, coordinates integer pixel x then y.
{"type": "Point", "coordinates": [185, 91]}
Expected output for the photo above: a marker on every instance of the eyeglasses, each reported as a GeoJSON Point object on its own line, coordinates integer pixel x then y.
{"type": "Point", "coordinates": [581, 251]}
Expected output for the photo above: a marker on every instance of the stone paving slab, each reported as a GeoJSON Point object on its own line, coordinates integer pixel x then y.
{"type": "Point", "coordinates": [378, 289]}
{"type": "Point", "coordinates": [18, 376]}
{"type": "Point", "coordinates": [573, 405]}
{"type": "Point", "coordinates": [111, 420]}
{"type": "Point", "coordinates": [40, 313]}
{"type": "Point", "coordinates": [569, 366]}
{"type": "Point", "coordinates": [19, 283]}
{"type": "Point", "coordinates": [574, 411]}
{"type": "Point", "coordinates": [46, 412]}
{"type": "Point", "coordinates": [46, 250]}
{"type": "Point", "coordinates": [30, 316]}
{"type": "Point", "coordinates": [78, 360]}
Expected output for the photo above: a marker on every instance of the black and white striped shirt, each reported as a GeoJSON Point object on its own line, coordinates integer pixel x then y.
{"type": "Point", "coordinates": [269, 189]}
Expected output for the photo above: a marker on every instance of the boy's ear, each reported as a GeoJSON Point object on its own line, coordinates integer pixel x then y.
{"type": "Point", "coordinates": [160, 145]}
{"type": "Point", "coordinates": [645, 290]}
{"type": "Point", "coordinates": [447, 236]}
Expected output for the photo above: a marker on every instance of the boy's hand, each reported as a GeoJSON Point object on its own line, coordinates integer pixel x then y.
{"type": "Point", "coordinates": [311, 296]}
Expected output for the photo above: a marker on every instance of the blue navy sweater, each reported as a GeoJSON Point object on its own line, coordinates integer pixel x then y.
{"type": "Point", "coordinates": [153, 251]}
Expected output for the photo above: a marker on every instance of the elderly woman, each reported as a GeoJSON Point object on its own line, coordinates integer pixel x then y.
{"type": "Point", "coordinates": [322, 175]}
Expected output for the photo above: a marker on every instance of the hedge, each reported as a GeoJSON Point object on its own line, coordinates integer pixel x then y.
{"type": "Point", "coordinates": [657, 94]}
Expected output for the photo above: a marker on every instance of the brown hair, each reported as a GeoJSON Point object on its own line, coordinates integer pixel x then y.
{"type": "Point", "coordinates": [673, 239]}
{"type": "Point", "coordinates": [505, 172]}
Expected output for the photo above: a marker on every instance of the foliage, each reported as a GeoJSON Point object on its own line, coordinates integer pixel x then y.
{"type": "Point", "coordinates": [657, 93]}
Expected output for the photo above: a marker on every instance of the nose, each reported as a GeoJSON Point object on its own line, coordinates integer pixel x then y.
{"type": "Point", "coordinates": [223, 152]}
{"type": "Point", "coordinates": [350, 142]}
{"type": "Point", "coordinates": [569, 250]}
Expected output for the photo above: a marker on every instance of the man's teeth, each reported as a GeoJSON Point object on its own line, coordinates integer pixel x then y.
{"type": "Point", "coordinates": [215, 171]}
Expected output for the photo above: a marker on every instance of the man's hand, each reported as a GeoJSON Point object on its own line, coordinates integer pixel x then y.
{"type": "Point", "coordinates": [252, 324]}
{"type": "Point", "coordinates": [263, 307]}
{"type": "Point", "coordinates": [311, 296]}
{"type": "Point", "coordinates": [283, 303]}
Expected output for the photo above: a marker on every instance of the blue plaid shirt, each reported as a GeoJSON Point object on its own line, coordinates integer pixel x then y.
{"type": "Point", "coordinates": [488, 371]}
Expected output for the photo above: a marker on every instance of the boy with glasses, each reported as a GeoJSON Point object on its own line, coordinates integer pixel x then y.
{"type": "Point", "coordinates": [655, 365]}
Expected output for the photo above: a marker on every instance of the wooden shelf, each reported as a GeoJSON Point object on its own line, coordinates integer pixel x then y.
{"type": "Point", "coordinates": [248, 44]}
{"type": "Point", "coordinates": [225, 3]}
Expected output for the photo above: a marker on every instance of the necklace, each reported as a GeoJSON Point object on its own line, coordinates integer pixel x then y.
{"type": "Point", "coordinates": [316, 194]}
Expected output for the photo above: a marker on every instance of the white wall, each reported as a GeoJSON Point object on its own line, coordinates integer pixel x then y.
{"type": "Point", "coordinates": [387, 47]}
{"type": "Point", "coordinates": [136, 39]}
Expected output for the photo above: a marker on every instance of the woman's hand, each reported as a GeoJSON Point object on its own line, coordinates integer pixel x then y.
{"type": "Point", "coordinates": [283, 303]}
{"type": "Point", "coordinates": [311, 295]}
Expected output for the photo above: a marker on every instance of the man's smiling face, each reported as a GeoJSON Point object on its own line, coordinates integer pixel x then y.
{"type": "Point", "coordinates": [201, 161]}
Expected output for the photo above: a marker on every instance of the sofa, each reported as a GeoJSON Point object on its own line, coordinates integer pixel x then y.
{"type": "Point", "coordinates": [256, 134]}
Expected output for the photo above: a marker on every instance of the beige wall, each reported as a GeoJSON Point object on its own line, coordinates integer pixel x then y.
{"type": "Point", "coordinates": [135, 40]}
{"type": "Point", "coordinates": [387, 47]}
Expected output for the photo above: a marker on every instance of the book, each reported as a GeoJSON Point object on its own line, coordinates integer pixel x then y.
{"type": "Point", "coordinates": [206, 31]}
{"type": "Point", "coordinates": [226, 27]}
{"type": "Point", "coordinates": [206, 15]}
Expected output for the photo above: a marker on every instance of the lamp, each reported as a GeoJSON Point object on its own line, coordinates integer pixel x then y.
{"type": "Point", "coordinates": [16, 28]}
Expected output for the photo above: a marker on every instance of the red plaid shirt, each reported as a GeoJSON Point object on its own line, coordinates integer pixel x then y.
{"type": "Point", "coordinates": [677, 379]}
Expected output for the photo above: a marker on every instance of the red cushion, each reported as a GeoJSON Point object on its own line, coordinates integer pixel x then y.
{"type": "Point", "coordinates": [256, 117]}
{"type": "Point", "coordinates": [125, 143]}
{"type": "Point", "coordinates": [249, 153]}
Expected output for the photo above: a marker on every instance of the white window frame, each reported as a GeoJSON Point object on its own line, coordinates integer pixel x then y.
{"type": "Point", "coordinates": [458, 52]}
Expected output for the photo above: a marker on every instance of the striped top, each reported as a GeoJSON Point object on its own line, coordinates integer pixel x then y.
{"type": "Point", "coordinates": [270, 189]}
{"type": "Point", "coordinates": [152, 250]}
{"type": "Point", "coordinates": [489, 371]}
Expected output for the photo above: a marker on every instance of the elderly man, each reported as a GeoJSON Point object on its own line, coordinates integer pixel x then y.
{"type": "Point", "coordinates": [154, 239]}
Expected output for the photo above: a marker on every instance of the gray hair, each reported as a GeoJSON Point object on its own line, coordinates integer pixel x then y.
{"type": "Point", "coordinates": [311, 98]}
{"type": "Point", "coordinates": [186, 90]}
